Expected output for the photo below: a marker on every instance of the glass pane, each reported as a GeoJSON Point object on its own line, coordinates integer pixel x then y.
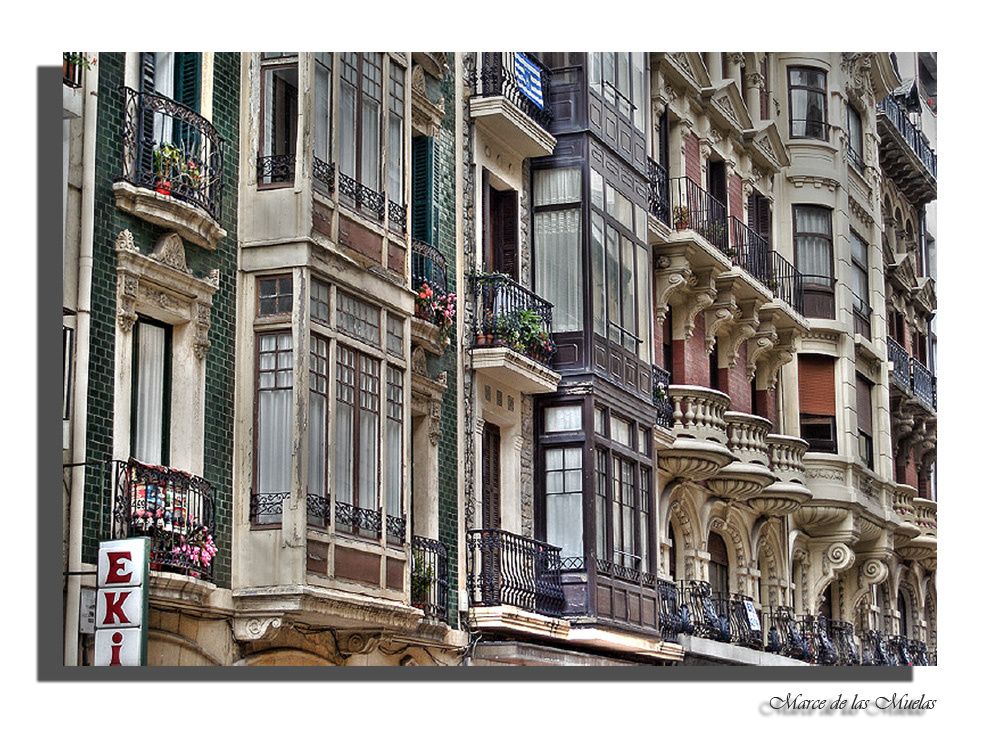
{"type": "Point", "coordinates": [555, 186]}
{"type": "Point", "coordinates": [559, 266]}
{"type": "Point", "coordinates": [150, 388]}
{"type": "Point", "coordinates": [563, 418]}
{"type": "Point", "coordinates": [599, 288]}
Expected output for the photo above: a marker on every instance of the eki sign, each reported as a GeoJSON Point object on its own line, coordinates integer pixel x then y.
{"type": "Point", "coordinates": [122, 603]}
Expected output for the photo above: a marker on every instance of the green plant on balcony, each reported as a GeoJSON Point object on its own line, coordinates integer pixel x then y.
{"type": "Point", "coordinates": [166, 165]}
{"type": "Point", "coordinates": [680, 216]}
{"type": "Point", "coordinates": [422, 577]}
{"type": "Point", "coordinates": [438, 308]}
{"type": "Point", "coordinates": [715, 232]}
{"type": "Point", "coordinates": [523, 331]}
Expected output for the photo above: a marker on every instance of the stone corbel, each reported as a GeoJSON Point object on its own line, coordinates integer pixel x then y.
{"type": "Point", "coordinates": [837, 557]}
{"type": "Point", "coordinates": [745, 326]}
{"type": "Point", "coordinates": [253, 628]}
{"type": "Point", "coordinates": [702, 295]}
{"type": "Point", "coordinates": [722, 312]}
{"type": "Point", "coordinates": [203, 322]}
{"type": "Point", "coordinates": [357, 643]}
{"type": "Point", "coordinates": [780, 354]}
{"type": "Point", "coordinates": [760, 344]}
{"type": "Point", "coordinates": [873, 571]}
{"type": "Point", "coordinates": [434, 416]}
{"type": "Point", "coordinates": [672, 276]}
{"type": "Point", "coordinates": [128, 292]}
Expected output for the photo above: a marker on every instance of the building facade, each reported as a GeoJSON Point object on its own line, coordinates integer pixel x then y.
{"type": "Point", "coordinates": [505, 358]}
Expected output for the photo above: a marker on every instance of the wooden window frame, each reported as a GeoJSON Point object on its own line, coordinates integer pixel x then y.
{"type": "Point", "coordinates": [825, 123]}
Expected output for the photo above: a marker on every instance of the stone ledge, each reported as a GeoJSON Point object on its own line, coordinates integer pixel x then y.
{"type": "Point", "coordinates": [190, 222]}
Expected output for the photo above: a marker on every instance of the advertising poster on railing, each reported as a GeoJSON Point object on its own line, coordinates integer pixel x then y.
{"type": "Point", "coordinates": [122, 603]}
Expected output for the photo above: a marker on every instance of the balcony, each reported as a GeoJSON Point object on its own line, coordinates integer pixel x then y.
{"type": "Point", "coordinates": [176, 510]}
{"type": "Point", "coordinates": [905, 154]}
{"type": "Point", "coordinates": [511, 102]}
{"type": "Point", "coordinates": [701, 447]}
{"type": "Point", "coordinates": [918, 535]}
{"type": "Point", "coordinates": [814, 639]}
{"type": "Point", "coordinates": [693, 208]}
{"type": "Point", "coordinates": [716, 616]}
{"type": "Point", "coordinates": [506, 569]}
{"type": "Point", "coordinates": [429, 279]}
{"type": "Point", "coordinates": [512, 327]}
{"type": "Point", "coordinates": [172, 167]}
{"type": "Point", "coordinates": [911, 376]}
{"type": "Point", "coordinates": [749, 472]}
{"type": "Point", "coordinates": [429, 577]}
{"type": "Point", "coordinates": [788, 492]}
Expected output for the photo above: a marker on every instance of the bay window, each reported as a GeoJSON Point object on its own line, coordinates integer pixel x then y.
{"type": "Point", "coordinates": [360, 117]}
{"type": "Point", "coordinates": [273, 427]}
{"type": "Point", "coordinates": [279, 116]}
{"type": "Point", "coordinates": [807, 102]}
{"type": "Point", "coordinates": [813, 231]}
{"type": "Point", "coordinates": [558, 252]}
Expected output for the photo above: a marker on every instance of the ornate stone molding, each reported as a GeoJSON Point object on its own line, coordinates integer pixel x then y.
{"type": "Point", "coordinates": [838, 556]}
{"type": "Point", "coordinates": [723, 311]}
{"type": "Point", "coordinates": [872, 571]}
{"type": "Point", "coordinates": [253, 628]}
{"type": "Point", "coordinates": [857, 69]}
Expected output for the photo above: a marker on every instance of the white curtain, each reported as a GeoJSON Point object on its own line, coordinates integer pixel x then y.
{"type": "Point", "coordinates": [150, 392]}
{"type": "Point", "coordinates": [813, 245]}
{"type": "Point", "coordinates": [564, 500]}
{"type": "Point", "coordinates": [274, 416]}
{"type": "Point", "coordinates": [321, 109]}
{"type": "Point", "coordinates": [559, 268]}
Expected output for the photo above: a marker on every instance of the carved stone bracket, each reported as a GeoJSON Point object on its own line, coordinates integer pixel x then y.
{"type": "Point", "coordinates": [872, 571]}
{"type": "Point", "coordinates": [759, 345]}
{"type": "Point", "coordinates": [781, 353]}
{"type": "Point", "coordinates": [722, 312]}
{"type": "Point", "coordinates": [743, 327]}
{"type": "Point", "coordinates": [253, 628]}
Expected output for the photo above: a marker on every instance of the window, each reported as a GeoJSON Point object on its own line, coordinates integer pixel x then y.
{"type": "Point", "coordinates": [151, 371]}
{"type": "Point", "coordinates": [855, 138]}
{"type": "Point", "coordinates": [357, 430]}
{"type": "Point", "coordinates": [319, 375]}
{"type": "Point", "coordinates": [394, 449]}
{"type": "Point", "coordinates": [323, 119]}
{"type": "Point", "coordinates": [397, 101]}
{"type": "Point", "coordinates": [859, 271]}
{"type": "Point", "coordinates": [619, 268]}
{"type": "Point", "coordinates": [807, 101]}
{"type": "Point", "coordinates": [564, 499]}
{"type": "Point", "coordinates": [361, 118]}
{"type": "Point", "coordinates": [863, 389]}
{"type": "Point", "coordinates": [814, 258]}
{"type": "Point", "coordinates": [279, 116]}
{"type": "Point", "coordinates": [620, 78]}
{"type": "Point", "coordinates": [817, 402]}
{"type": "Point", "coordinates": [622, 487]}
{"type": "Point", "coordinates": [718, 565]}
{"type": "Point", "coordinates": [274, 426]}
{"type": "Point", "coordinates": [558, 253]}
{"type": "Point", "coordinates": [274, 295]}
{"type": "Point", "coordinates": [319, 301]}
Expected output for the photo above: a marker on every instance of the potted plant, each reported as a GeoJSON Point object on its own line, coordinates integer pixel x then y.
{"type": "Point", "coordinates": [166, 164]}
{"type": "Point", "coordinates": [680, 217]}
{"type": "Point", "coordinates": [191, 175]}
{"type": "Point", "coordinates": [438, 308]}
{"type": "Point", "coordinates": [422, 578]}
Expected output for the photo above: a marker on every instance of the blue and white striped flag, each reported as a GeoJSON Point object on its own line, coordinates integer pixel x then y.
{"type": "Point", "coordinates": [529, 78]}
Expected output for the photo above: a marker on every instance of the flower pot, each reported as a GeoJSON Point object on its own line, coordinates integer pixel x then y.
{"type": "Point", "coordinates": [163, 187]}
{"type": "Point", "coordinates": [680, 225]}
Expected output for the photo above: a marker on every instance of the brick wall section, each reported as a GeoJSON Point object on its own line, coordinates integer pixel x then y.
{"type": "Point", "coordinates": [219, 363]}
{"type": "Point", "coordinates": [733, 381]}
{"type": "Point", "coordinates": [448, 448]}
{"type": "Point", "coordinates": [690, 357]}
{"type": "Point", "coordinates": [767, 405]}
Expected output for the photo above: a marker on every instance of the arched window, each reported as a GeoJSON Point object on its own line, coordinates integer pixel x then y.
{"type": "Point", "coordinates": [718, 565]}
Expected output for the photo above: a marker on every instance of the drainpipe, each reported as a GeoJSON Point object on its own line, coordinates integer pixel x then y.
{"type": "Point", "coordinates": [71, 637]}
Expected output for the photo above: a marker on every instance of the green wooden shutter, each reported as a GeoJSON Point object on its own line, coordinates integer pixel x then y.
{"type": "Point", "coordinates": [423, 189]}
{"type": "Point", "coordinates": [187, 79]}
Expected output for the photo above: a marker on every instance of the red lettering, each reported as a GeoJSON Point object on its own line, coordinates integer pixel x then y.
{"type": "Point", "coordinates": [116, 567]}
{"type": "Point", "coordinates": [114, 607]}
{"type": "Point", "coordinates": [116, 650]}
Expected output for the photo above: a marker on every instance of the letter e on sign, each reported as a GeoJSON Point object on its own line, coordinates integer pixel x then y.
{"type": "Point", "coordinates": [120, 564]}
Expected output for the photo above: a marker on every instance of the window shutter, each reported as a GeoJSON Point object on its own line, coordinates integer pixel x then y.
{"type": "Point", "coordinates": [147, 84]}
{"type": "Point", "coordinates": [423, 188]}
{"type": "Point", "coordinates": [508, 232]}
{"type": "Point", "coordinates": [864, 395]}
{"type": "Point", "coordinates": [816, 385]}
{"type": "Point", "coordinates": [187, 79]}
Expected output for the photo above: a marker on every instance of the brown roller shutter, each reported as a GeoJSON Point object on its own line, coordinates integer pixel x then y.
{"type": "Point", "coordinates": [864, 390]}
{"type": "Point", "coordinates": [816, 385]}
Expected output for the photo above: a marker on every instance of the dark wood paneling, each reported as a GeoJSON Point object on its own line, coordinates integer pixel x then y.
{"type": "Point", "coordinates": [350, 564]}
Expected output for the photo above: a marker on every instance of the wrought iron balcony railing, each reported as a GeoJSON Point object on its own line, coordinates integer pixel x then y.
{"type": "Point", "coordinates": [842, 634]}
{"type": "Point", "coordinates": [519, 78]}
{"type": "Point", "coordinates": [809, 128]}
{"type": "Point", "coordinates": [509, 314]}
{"type": "Point", "coordinates": [749, 250]}
{"type": "Point", "coordinates": [661, 397]}
{"type": "Point", "coordinates": [786, 283]}
{"type": "Point", "coordinates": [659, 192]}
{"type": "Point", "coordinates": [918, 653]}
{"type": "Point", "coordinates": [362, 197]}
{"type": "Point", "coordinates": [169, 148]}
{"type": "Point", "coordinates": [816, 630]}
{"type": "Point", "coordinates": [671, 621]}
{"type": "Point", "coordinates": [744, 622]}
{"type": "Point", "coordinates": [910, 375]}
{"type": "Point", "coordinates": [323, 173]}
{"type": "Point", "coordinates": [702, 610]}
{"type": "Point", "coordinates": [914, 137]}
{"type": "Point", "coordinates": [508, 569]}
{"type": "Point", "coordinates": [875, 649]}
{"type": "Point", "coordinates": [784, 636]}
{"type": "Point", "coordinates": [862, 317]}
{"type": "Point", "coordinates": [427, 267]}
{"type": "Point", "coordinates": [176, 510]}
{"type": "Point", "coordinates": [694, 208]}
{"type": "Point", "coordinates": [429, 577]}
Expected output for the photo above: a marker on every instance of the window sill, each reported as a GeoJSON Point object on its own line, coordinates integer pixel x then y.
{"type": "Point", "coordinates": [190, 222]}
